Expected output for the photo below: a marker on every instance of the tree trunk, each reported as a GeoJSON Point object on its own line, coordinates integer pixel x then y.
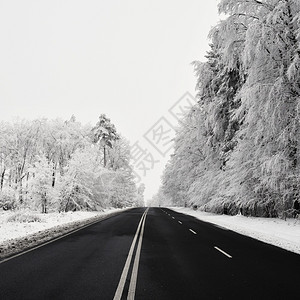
{"type": "Point", "coordinates": [26, 191]}
{"type": "Point", "coordinates": [104, 152]}
{"type": "Point", "coordinates": [20, 191]}
{"type": "Point", "coordinates": [2, 179]}
{"type": "Point", "coordinates": [53, 175]}
{"type": "Point", "coordinates": [44, 203]}
{"type": "Point", "coordinates": [9, 179]}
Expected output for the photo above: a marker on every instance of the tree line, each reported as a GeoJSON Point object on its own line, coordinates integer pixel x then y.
{"type": "Point", "coordinates": [56, 165]}
{"type": "Point", "coordinates": [237, 150]}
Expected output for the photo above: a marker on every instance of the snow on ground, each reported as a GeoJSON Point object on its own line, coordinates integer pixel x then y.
{"type": "Point", "coordinates": [18, 236]}
{"type": "Point", "coordinates": [284, 234]}
{"type": "Point", "coordinates": [12, 230]}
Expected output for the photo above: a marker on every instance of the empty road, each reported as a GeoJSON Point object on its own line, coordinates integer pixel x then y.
{"type": "Point", "coordinates": [153, 253]}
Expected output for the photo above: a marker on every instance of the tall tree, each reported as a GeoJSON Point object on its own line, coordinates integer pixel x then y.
{"type": "Point", "coordinates": [248, 95]}
{"type": "Point", "coordinates": [105, 134]}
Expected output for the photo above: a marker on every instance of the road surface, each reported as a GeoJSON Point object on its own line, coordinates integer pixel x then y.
{"type": "Point", "coordinates": [152, 254]}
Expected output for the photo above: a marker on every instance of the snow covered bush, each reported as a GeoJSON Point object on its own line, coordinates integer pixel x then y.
{"type": "Point", "coordinates": [21, 217]}
{"type": "Point", "coordinates": [7, 198]}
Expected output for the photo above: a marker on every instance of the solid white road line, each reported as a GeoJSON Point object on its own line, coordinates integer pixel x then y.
{"type": "Point", "coordinates": [122, 281]}
{"type": "Point", "coordinates": [220, 250]}
{"type": "Point", "coordinates": [179, 222]}
{"type": "Point", "coordinates": [191, 230]}
{"type": "Point", "coordinates": [133, 280]}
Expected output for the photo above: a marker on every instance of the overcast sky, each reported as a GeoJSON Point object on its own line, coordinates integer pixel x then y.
{"type": "Point", "coordinates": [129, 59]}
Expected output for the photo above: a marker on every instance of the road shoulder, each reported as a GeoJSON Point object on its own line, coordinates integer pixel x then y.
{"type": "Point", "coordinates": [11, 247]}
{"type": "Point", "coordinates": [274, 231]}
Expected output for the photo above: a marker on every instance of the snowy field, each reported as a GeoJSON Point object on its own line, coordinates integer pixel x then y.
{"type": "Point", "coordinates": [284, 234]}
{"type": "Point", "coordinates": [16, 235]}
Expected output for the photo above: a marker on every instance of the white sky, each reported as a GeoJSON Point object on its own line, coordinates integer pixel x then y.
{"type": "Point", "coordinates": [129, 59]}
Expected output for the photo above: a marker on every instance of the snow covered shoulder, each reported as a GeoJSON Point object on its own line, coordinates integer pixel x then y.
{"type": "Point", "coordinates": [22, 230]}
{"type": "Point", "coordinates": [274, 231]}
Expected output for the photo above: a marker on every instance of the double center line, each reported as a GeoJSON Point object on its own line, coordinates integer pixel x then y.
{"type": "Point", "coordinates": [132, 286]}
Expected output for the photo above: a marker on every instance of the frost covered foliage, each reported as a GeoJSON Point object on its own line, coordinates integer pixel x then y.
{"type": "Point", "coordinates": [55, 165]}
{"type": "Point", "coordinates": [243, 155]}
{"type": "Point", "coordinates": [160, 199]}
{"type": "Point", "coordinates": [24, 218]}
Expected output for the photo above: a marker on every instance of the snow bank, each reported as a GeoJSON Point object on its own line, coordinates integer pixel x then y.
{"type": "Point", "coordinates": [284, 234]}
{"type": "Point", "coordinates": [18, 236]}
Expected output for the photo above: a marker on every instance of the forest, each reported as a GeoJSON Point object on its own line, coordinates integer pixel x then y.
{"type": "Point", "coordinates": [56, 165]}
{"type": "Point", "coordinates": [238, 148]}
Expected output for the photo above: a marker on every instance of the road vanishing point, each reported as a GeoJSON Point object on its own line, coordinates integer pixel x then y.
{"type": "Point", "coordinates": [152, 253]}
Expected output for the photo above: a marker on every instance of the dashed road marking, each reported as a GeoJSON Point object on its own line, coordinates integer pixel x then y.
{"type": "Point", "coordinates": [173, 218]}
{"type": "Point", "coordinates": [191, 230]}
{"type": "Point", "coordinates": [179, 222]}
{"type": "Point", "coordinates": [223, 252]}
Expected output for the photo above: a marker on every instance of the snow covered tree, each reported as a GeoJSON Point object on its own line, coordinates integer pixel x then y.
{"type": "Point", "coordinates": [140, 201]}
{"type": "Point", "coordinates": [77, 184]}
{"type": "Point", "coordinates": [118, 155]}
{"type": "Point", "coordinates": [160, 199]}
{"type": "Point", "coordinates": [266, 159]}
{"type": "Point", "coordinates": [248, 131]}
{"type": "Point", "coordinates": [55, 164]}
{"type": "Point", "coordinates": [41, 194]}
{"type": "Point", "coordinates": [120, 188]}
{"type": "Point", "coordinates": [105, 134]}
{"type": "Point", "coordinates": [181, 171]}
{"type": "Point", "coordinates": [61, 139]}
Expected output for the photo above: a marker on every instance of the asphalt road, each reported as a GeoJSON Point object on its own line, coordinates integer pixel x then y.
{"type": "Point", "coordinates": [152, 254]}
